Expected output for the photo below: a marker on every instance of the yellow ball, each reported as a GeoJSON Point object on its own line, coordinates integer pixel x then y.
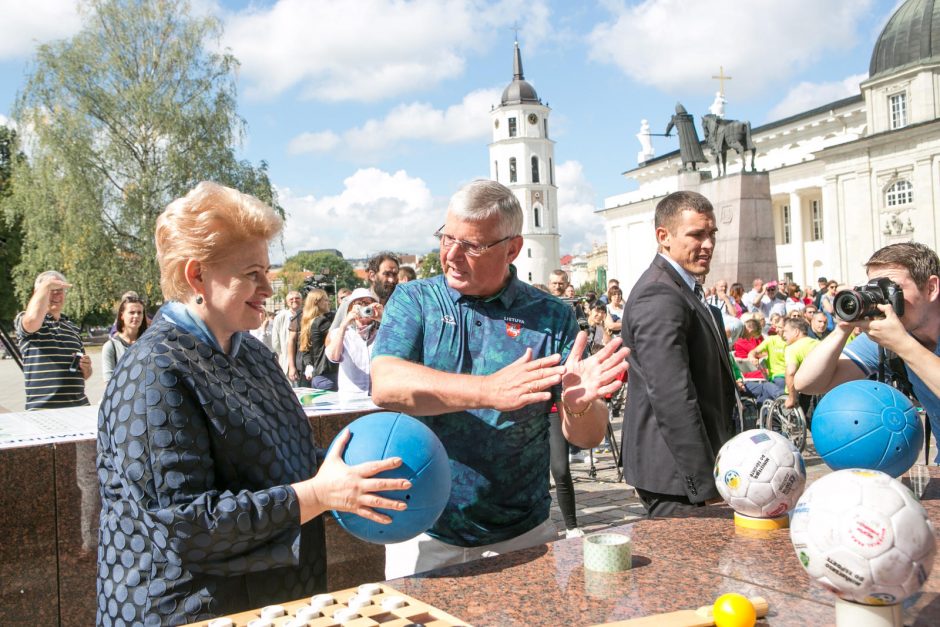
{"type": "Point", "coordinates": [734, 610]}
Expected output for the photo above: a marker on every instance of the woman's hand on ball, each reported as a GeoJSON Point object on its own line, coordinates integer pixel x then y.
{"type": "Point", "coordinates": [345, 488]}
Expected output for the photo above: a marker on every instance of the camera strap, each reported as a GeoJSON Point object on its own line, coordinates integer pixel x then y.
{"type": "Point", "coordinates": [902, 382]}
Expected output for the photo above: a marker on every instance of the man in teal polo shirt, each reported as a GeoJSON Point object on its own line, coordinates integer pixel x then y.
{"type": "Point", "coordinates": [479, 356]}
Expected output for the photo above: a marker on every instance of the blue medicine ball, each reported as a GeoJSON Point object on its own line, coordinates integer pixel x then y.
{"type": "Point", "coordinates": [424, 463]}
{"type": "Point", "coordinates": [866, 424]}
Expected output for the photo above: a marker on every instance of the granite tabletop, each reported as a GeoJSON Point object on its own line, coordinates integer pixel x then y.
{"type": "Point", "coordinates": [678, 563]}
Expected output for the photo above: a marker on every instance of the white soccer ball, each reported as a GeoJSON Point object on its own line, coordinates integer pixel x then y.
{"type": "Point", "coordinates": [863, 535]}
{"type": "Point", "coordinates": [760, 473]}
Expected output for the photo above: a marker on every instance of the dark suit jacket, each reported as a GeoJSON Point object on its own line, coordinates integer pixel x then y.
{"type": "Point", "coordinates": [680, 388]}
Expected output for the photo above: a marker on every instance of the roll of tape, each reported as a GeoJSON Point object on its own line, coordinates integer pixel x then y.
{"type": "Point", "coordinates": [608, 552]}
{"type": "Point", "coordinates": [764, 524]}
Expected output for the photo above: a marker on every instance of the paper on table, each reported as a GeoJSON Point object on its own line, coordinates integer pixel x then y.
{"type": "Point", "coordinates": [48, 426]}
{"type": "Point", "coordinates": [317, 402]}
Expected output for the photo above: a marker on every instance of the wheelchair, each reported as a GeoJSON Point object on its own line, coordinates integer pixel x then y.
{"type": "Point", "coordinates": [750, 419]}
{"type": "Point", "coordinates": [791, 423]}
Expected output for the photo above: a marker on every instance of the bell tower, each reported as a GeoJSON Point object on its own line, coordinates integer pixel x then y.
{"type": "Point", "coordinates": [522, 158]}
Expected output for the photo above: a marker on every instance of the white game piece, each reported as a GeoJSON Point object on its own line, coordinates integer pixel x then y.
{"type": "Point", "coordinates": [261, 622]}
{"type": "Point", "coordinates": [297, 622]}
{"type": "Point", "coordinates": [369, 589]}
{"type": "Point", "coordinates": [273, 611]}
{"type": "Point", "coordinates": [308, 612]}
{"type": "Point", "coordinates": [345, 614]}
{"type": "Point", "coordinates": [221, 622]}
{"type": "Point", "coordinates": [359, 601]}
{"type": "Point", "coordinates": [393, 603]}
{"type": "Point", "coordinates": [320, 601]}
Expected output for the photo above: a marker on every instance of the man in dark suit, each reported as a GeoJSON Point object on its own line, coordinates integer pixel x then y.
{"type": "Point", "coordinates": [680, 392]}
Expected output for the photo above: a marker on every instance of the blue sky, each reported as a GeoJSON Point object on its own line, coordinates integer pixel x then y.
{"type": "Point", "coordinates": [371, 113]}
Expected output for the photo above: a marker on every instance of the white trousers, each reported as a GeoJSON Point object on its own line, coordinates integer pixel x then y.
{"type": "Point", "coordinates": [424, 553]}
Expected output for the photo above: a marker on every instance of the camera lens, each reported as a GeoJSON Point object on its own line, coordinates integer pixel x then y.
{"type": "Point", "coordinates": [848, 305]}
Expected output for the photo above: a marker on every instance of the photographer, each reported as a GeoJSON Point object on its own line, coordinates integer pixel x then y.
{"type": "Point", "coordinates": [914, 269]}
{"type": "Point", "coordinates": [350, 344]}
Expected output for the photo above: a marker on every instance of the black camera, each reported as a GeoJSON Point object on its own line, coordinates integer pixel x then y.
{"type": "Point", "coordinates": [316, 282]}
{"type": "Point", "coordinates": [863, 301]}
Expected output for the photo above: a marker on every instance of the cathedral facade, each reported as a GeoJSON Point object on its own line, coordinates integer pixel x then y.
{"type": "Point", "coordinates": [846, 178]}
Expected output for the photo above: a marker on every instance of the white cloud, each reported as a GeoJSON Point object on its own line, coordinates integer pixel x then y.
{"type": "Point", "coordinates": [580, 227]}
{"type": "Point", "coordinates": [676, 44]}
{"type": "Point", "coordinates": [24, 24]}
{"type": "Point", "coordinates": [806, 96]}
{"type": "Point", "coordinates": [467, 121]}
{"type": "Point", "coordinates": [379, 210]}
{"type": "Point", "coordinates": [376, 210]}
{"type": "Point", "coordinates": [5, 121]}
{"type": "Point", "coordinates": [322, 141]}
{"type": "Point", "coordinates": [370, 49]}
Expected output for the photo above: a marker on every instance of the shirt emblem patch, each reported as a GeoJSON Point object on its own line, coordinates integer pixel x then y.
{"type": "Point", "coordinates": [448, 319]}
{"type": "Point", "coordinates": [513, 329]}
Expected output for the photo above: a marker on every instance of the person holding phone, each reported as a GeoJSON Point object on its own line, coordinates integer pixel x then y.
{"type": "Point", "coordinates": [50, 343]}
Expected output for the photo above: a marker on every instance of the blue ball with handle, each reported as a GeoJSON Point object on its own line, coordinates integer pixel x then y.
{"type": "Point", "coordinates": [424, 463]}
{"type": "Point", "coordinates": [866, 424]}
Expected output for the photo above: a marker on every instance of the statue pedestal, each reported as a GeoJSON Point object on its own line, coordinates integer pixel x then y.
{"type": "Point", "coordinates": [689, 180]}
{"type": "Point", "coordinates": [746, 247]}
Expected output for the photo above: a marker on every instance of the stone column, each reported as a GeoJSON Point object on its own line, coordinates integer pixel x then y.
{"type": "Point", "coordinates": [797, 238]}
{"type": "Point", "coordinates": [832, 262]}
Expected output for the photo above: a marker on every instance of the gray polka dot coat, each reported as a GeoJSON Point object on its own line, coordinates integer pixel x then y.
{"type": "Point", "coordinates": [196, 451]}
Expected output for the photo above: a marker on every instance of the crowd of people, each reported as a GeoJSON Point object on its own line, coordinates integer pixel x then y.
{"type": "Point", "coordinates": [211, 487]}
{"type": "Point", "coordinates": [770, 329]}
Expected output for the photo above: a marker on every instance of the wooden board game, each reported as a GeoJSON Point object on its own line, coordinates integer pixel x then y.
{"type": "Point", "coordinates": [369, 605]}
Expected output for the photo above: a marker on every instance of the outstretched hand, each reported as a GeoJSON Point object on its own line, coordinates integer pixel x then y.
{"type": "Point", "coordinates": [345, 488]}
{"type": "Point", "coordinates": [523, 382]}
{"type": "Point", "coordinates": [586, 380]}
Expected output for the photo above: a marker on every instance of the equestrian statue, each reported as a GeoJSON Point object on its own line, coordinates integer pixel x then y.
{"type": "Point", "coordinates": [722, 134]}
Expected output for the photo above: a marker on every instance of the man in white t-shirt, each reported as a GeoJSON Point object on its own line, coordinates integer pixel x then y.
{"type": "Point", "coordinates": [761, 297]}
{"type": "Point", "coordinates": [350, 344]}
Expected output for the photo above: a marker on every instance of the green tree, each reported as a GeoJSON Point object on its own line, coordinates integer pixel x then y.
{"type": "Point", "coordinates": [127, 115]}
{"type": "Point", "coordinates": [329, 265]}
{"type": "Point", "coordinates": [430, 265]}
{"type": "Point", "coordinates": [11, 232]}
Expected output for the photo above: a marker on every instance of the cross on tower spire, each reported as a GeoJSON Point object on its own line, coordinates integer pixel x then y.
{"type": "Point", "coordinates": [721, 78]}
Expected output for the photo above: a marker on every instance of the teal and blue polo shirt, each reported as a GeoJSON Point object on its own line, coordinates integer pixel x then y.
{"type": "Point", "coordinates": [498, 460]}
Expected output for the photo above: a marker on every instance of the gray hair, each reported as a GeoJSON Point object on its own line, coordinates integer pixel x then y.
{"type": "Point", "coordinates": [481, 199]}
{"type": "Point", "coordinates": [49, 273]}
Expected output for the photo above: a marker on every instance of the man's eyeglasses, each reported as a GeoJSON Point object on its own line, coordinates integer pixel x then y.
{"type": "Point", "coordinates": [468, 248]}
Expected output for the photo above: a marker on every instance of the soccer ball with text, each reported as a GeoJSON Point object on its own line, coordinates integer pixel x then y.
{"type": "Point", "coordinates": [863, 535]}
{"type": "Point", "coordinates": [760, 473]}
